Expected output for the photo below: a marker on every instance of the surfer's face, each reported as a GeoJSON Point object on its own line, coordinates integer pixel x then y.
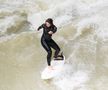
{"type": "Point", "coordinates": [47, 24]}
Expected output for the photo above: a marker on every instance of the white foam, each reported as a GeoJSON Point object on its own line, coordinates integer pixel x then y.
{"type": "Point", "coordinates": [76, 80]}
{"type": "Point", "coordinates": [7, 23]}
{"type": "Point", "coordinates": [81, 13]}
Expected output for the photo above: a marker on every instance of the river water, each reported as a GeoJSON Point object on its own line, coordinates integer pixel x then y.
{"type": "Point", "coordinates": [82, 35]}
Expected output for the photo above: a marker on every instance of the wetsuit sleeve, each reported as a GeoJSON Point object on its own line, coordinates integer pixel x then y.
{"type": "Point", "coordinates": [40, 27]}
{"type": "Point", "coordinates": [54, 29]}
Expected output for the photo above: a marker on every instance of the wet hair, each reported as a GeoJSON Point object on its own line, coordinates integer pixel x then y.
{"type": "Point", "coordinates": [50, 21]}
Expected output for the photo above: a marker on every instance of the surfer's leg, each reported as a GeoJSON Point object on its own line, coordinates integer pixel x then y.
{"type": "Point", "coordinates": [54, 45]}
{"type": "Point", "coordinates": [49, 51]}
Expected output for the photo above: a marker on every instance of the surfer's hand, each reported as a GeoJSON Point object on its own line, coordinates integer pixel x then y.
{"type": "Point", "coordinates": [37, 30]}
{"type": "Point", "coordinates": [50, 32]}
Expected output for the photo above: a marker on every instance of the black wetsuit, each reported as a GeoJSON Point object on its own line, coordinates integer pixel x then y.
{"type": "Point", "coordinates": [48, 43]}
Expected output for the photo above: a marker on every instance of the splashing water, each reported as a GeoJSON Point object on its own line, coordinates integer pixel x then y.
{"type": "Point", "coordinates": [82, 35]}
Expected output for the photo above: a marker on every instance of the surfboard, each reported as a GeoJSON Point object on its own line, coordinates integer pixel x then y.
{"type": "Point", "coordinates": [57, 69]}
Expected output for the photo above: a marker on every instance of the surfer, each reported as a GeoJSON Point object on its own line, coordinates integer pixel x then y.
{"type": "Point", "coordinates": [47, 42]}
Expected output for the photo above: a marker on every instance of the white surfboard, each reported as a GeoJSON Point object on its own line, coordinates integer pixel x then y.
{"type": "Point", "coordinates": [57, 68]}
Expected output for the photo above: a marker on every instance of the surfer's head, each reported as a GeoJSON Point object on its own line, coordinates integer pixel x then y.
{"type": "Point", "coordinates": [49, 22]}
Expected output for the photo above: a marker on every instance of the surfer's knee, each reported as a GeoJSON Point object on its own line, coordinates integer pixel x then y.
{"type": "Point", "coordinates": [50, 51]}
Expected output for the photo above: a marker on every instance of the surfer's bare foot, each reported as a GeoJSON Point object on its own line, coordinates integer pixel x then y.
{"type": "Point", "coordinates": [50, 68]}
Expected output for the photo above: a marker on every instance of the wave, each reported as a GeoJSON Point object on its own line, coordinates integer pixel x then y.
{"type": "Point", "coordinates": [82, 35]}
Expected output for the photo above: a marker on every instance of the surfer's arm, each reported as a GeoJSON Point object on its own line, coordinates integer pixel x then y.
{"type": "Point", "coordinates": [40, 27]}
{"type": "Point", "coordinates": [53, 30]}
